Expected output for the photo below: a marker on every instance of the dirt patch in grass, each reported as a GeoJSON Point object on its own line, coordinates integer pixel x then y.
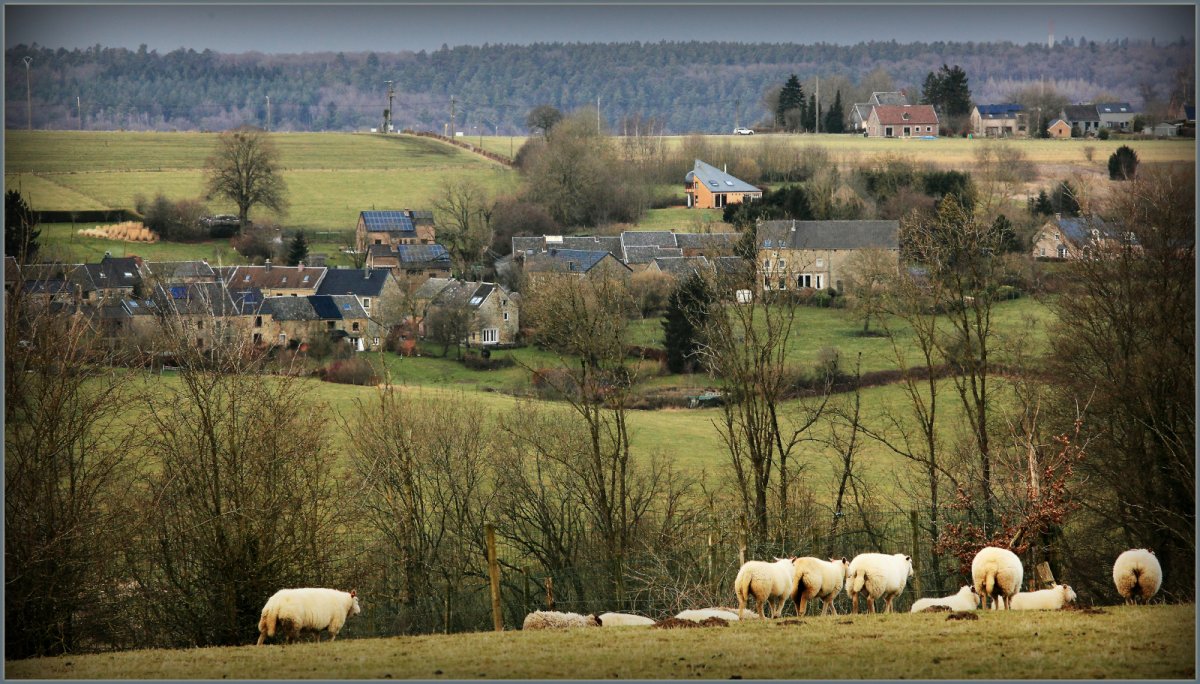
{"type": "Point", "coordinates": [1086, 610]}
{"type": "Point", "coordinates": [935, 609]}
{"type": "Point", "coordinates": [675, 623]}
{"type": "Point", "coordinates": [962, 616]}
{"type": "Point", "coordinates": [714, 621]}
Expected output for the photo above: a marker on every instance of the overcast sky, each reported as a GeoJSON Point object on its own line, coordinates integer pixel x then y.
{"type": "Point", "coordinates": [291, 28]}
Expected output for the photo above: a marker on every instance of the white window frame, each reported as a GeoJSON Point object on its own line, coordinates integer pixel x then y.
{"type": "Point", "coordinates": [820, 263]}
{"type": "Point", "coordinates": [506, 315]}
{"type": "Point", "coordinates": [818, 280]}
{"type": "Point", "coordinates": [489, 336]}
{"type": "Point", "coordinates": [804, 280]}
{"type": "Point", "coordinates": [781, 264]}
{"type": "Point", "coordinates": [367, 303]}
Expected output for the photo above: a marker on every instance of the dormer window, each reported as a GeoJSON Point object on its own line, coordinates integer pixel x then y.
{"type": "Point", "coordinates": [905, 116]}
{"type": "Point", "coordinates": [246, 279]}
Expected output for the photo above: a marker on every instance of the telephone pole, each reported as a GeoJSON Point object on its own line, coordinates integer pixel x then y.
{"type": "Point", "coordinates": [817, 115]}
{"type": "Point", "coordinates": [268, 113]}
{"type": "Point", "coordinates": [79, 112]}
{"type": "Point", "coordinates": [452, 124]}
{"type": "Point", "coordinates": [28, 95]}
{"type": "Point", "coordinates": [387, 113]}
{"type": "Point", "coordinates": [737, 116]}
{"type": "Point", "coordinates": [597, 114]}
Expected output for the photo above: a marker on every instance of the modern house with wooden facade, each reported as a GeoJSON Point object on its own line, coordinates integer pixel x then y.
{"type": "Point", "coordinates": [708, 187]}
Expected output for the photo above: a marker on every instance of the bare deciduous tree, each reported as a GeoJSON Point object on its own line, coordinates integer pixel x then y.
{"type": "Point", "coordinates": [463, 225]}
{"type": "Point", "coordinates": [245, 170]}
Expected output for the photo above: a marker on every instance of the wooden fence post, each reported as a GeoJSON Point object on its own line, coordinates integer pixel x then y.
{"type": "Point", "coordinates": [916, 547]}
{"type": "Point", "coordinates": [494, 575]}
{"type": "Point", "coordinates": [549, 593]}
{"type": "Point", "coordinates": [525, 589]}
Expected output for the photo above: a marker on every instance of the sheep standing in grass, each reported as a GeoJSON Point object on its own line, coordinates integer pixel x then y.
{"type": "Point", "coordinates": [294, 610]}
{"type": "Point", "coordinates": [624, 620]}
{"type": "Point", "coordinates": [816, 578]}
{"type": "Point", "coordinates": [1137, 575]}
{"type": "Point", "coordinates": [1053, 598]}
{"type": "Point", "coordinates": [548, 619]}
{"type": "Point", "coordinates": [764, 581]}
{"type": "Point", "coordinates": [880, 575]}
{"type": "Point", "coordinates": [997, 574]}
{"type": "Point", "coordinates": [965, 599]}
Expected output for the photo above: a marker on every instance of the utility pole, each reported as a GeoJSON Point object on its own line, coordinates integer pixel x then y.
{"type": "Point", "coordinates": [597, 114]}
{"type": "Point", "coordinates": [387, 113]}
{"type": "Point", "coordinates": [737, 116]}
{"type": "Point", "coordinates": [452, 124]}
{"type": "Point", "coordinates": [79, 112]}
{"type": "Point", "coordinates": [28, 94]}
{"type": "Point", "coordinates": [817, 115]}
{"type": "Point", "coordinates": [268, 113]}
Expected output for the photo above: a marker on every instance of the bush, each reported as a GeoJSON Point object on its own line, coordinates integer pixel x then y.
{"type": "Point", "coordinates": [257, 242]}
{"type": "Point", "coordinates": [175, 221]}
{"type": "Point", "coordinates": [478, 363]}
{"type": "Point", "coordinates": [512, 217]}
{"type": "Point", "coordinates": [1123, 163]}
{"type": "Point", "coordinates": [1103, 134]}
{"type": "Point", "coordinates": [353, 371]}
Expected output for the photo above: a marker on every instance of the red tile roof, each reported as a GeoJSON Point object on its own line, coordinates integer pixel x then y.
{"type": "Point", "coordinates": [894, 115]}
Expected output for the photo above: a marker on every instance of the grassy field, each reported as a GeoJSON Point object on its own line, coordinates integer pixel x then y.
{"type": "Point", "coordinates": [331, 176]}
{"type": "Point", "coordinates": [1145, 642]}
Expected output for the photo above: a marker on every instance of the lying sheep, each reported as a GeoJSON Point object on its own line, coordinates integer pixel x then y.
{"type": "Point", "coordinates": [1047, 599]}
{"type": "Point", "coordinates": [624, 620]}
{"type": "Point", "coordinates": [702, 614]}
{"type": "Point", "coordinates": [816, 578]}
{"type": "Point", "coordinates": [965, 599]}
{"type": "Point", "coordinates": [293, 610]}
{"type": "Point", "coordinates": [880, 575]}
{"type": "Point", "coordinates": [549, 619]}
{"type": "Point", "coordinates": [764, 581]}
{"type": "Point", "coordinates": [747, 616]}
{"type": "Point", "coordinates": [997, 574]}
{"type": "Point", "coordinates": [1137, 575]}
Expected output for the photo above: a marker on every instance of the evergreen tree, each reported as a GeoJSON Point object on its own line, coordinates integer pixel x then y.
{"type": "Point", "coordinates": [1041, 206]}
{"type": "Point", "coordinates": [1064, 200]}
{"type": "Point", "coordinates": [683, 323]}
{"type": "Point", "coordinates": [1123, 163]}
{"type": "Point", "coordinates": [835, 118]}
{"type": "Point", "coordinates": [790, 97]}
{"type": "Point", "coordinates": [947, 91]}
{"type": "Point", "coordinates": [298, 249]}
{"type": "Point", "coordinates": [810, 114]}
{"type": "Point", "coordinates": [1009, 242]}
{"type": "Point", "coordinates": [20, 228]}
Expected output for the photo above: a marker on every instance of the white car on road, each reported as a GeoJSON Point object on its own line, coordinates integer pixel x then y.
{"type": "Point", "coordinates": [743, 131]}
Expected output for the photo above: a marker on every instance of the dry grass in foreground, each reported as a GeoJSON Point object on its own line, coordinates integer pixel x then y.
{"type": "Point", "coordinates": [1119, 642]}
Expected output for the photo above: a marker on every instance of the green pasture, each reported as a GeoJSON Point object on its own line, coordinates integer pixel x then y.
{"type": "Point", "coordinates": [1142, 642]}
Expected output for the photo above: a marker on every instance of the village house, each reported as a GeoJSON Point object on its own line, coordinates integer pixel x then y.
{"type": "Point", "coordinates": [523, 246]}
{"type": "Point", "coordinates": [1081, 116]}
{"type": "Point", "coordinates": [294, 322]}
{"type": "Point", "coordinates": [180, 272]}
{"type": "Point", "coordinates": [861, 111]}
{"type": "Point", "coordinates": [1117, 116]}
{"type": "Point", "coordinates": [203, 314]}
{"type": "Point", "coordinates": [394, 228]}
{"type": "Point", "coordinates": [902, 121]}
{"type": "Point", "coordinates": [998, 121]}
{"type": "Point", "coordinates": [374, 288]}
{"type": "Point", "coordinates": [680, 267]}
{"type": "Point", "coordinates": [1071, 237]}
{"type": "Point", "coordinates": [411, 261]}
{"type": "Point", "coordinates": [1059, 129]}
{"type": "Point", "coordinates": [708, 187]}
{"type": "Point", "coordinates": [274, 281]}
{"type": "Point", "coordinates": [813, 254]}
{"type": "Point", "coordinates": [642, 247]}
{"type": "Point", "coordinates": [557, 263]}
{"type": "Point", "coordinates": [494, 310]}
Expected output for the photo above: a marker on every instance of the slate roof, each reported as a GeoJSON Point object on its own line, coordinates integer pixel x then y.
{"type": "Point", "coordinates": [717, 180]}
{"type": "Point", "coordinates": [706, 240]}
{"type": "Point", "coordinates": [1080, 112]}
{"type": "Point", "coordinates": [682, 267]}
{"type": "Point", "coordinates": [828, 234]}
{"type": "Point", "coordinates": [733, 265]}
{"type": "Point", "coordinates": [173, 270]}
{"type": "Point", "coordinates": [863, 110]}
{"type": "Point", "coordinates": [290, 308]}
{"type": "Point", "coordinates": [1079, 229]}
{"type": "Point", "coordinates": [196, 298]}
{"type": "Point", "coordinates": [336, 307]}
{"type": "Point", "coordinates": [892, 97]}
{"type": "Point", "coordinates": [522, 244]}
{"type": "Point", "coordinates": [998, 111]}
{"type": "Point", "coordinates": [1114, 108]}
{"type": "Point", "coordinates": [422, 254]}
{"type": "Point", "coordinates": [291, 277]}
{"type": "Point", "coordinates": [355, 281]}
{"type": "Point", "coordinates": [564, 261]}
{"type": "Point", "coordinates": [442, 291]}
{"type": "Point", "coordinates": [115, 272]}
{"type": "Point", "coordinates": [646, 254]}
{"type": "Point", "coordinates": [646, 238]}
{"type": "Point", "coordinates": [893, 115]}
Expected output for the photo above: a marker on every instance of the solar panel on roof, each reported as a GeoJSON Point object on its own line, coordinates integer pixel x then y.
{"type": "Point", "coordinates": [178, 292]}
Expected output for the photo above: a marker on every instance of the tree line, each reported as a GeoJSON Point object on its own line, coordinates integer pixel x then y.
{"type": "Point", "coordinates": [188, 90]}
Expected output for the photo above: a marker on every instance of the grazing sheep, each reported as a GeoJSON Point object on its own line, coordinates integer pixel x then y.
{"type": "Point", "coordinates": [1047, 599]}
{"type": "Point", "coordinates": [965, 599]}
{"type": "Point", "coordinates": [997, 574]}
{"type": "Point", "coordinates": [549, 619]}
{"type": "Point", "coordinates": [702, 614]}
{"type": "Point", "coordinates": [764, 581]}
{"type": "Point", "coordinates": [816, 578]}
{"type": "Point", "coordinates": [880, 575]}
{"type": "Point", "coordinates": [1137, 575]}
{"type": "Point", "coordinates": [315, 610]}
{"type": "Point", "coordinates": [624, 620]}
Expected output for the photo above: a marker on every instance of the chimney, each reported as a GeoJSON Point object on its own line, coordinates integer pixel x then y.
{"type": "Point", "coordinates": [300, 265]}
{"type": "Point", "coordinates": [793, 225]}
{"type": "Point", "coordinates": [267, 265]}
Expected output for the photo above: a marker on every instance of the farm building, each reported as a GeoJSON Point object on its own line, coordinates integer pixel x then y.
{"type": "Point", "coordinates": [1075, 237]}
{"type": "Point", "coordinates": [1162, 130]}
{"type": "Point", "coordinates": [902, 121]}
{"type": "Point", "coordinates": [394, 228]}
{"type": "Point", "coordinates": [1059, 129]}
{"type": "Point", "coordinates": [998, 121]}
{"type": "Point", "coordinates": [861, 111]}
{"type": "Point", "coordinates": [813, 254]}
{"type": "Point", "coordinates": [708, 187]}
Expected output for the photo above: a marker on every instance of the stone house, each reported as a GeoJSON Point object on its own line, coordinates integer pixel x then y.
{"type": "Point", "coordinates": [394, 228]}
{"type": "Point", "coordinates": [274, 281]}
{"type": "Point", "coordinates": [411, 261]}
{"type": "Point", "coordinates": [574, 263]}
{"type": "Point", "coordinates": [1071, 237]}
{"type": "Point", "coordinates": [374, 288]}
{"type": "Point", "coordinates": [813, 254]}
{"type": "Point", "coordinates": [295, 321]}
{"type": "Point", "coordinates": [902, 121]}
{"type": "Point", "coordinates": [998, 121]}
{"type": "Point", "coordinates": [860, 112]}
{"type": "Point", "coordinates": [494, 310]}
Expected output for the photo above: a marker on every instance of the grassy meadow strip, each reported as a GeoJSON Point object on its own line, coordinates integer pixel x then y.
{"type": "Point", "coordinates": [1143, 642]}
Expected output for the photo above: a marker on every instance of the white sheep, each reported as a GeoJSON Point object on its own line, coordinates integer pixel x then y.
{"type": "Point", "coordinates": [997, 574]}
{"type": "Point", "coordinates": [294, 610]}
{"type": "Point", "coordinates": [764, 581]}
{"type": "Point", "coordinates": [624, 620]}
{"type": "Point", "coordinates": [965, 599]}
{"type": "Point", "coordinates": [1047, 599]}
{"type": "Point", "coordinates": [880, 575]}
{"type": "Point", "coordinates": [549, 619]}
{"type": "Point", "coordinates": [702, 614]}
{"type": "Point", "coordinates": [1137, 575]}
{"type": "Point", "coordinates": [816, 578]}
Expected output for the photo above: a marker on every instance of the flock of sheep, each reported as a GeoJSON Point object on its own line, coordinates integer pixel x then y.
{"type": "Point", "coordinates": [996, 573]}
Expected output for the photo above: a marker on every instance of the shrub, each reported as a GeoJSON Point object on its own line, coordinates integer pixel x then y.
{"type": "Point", "coordinates": [1103, 134]}
{"type": "Point", "coordinates": [1123, 163]}
{"type": "Point", "coordinates": [477, 362]}
{"type": "Point", "coordinates": [175, 221]}
{"type": "Point", "coordinates": [257, 242]}
{"type": "Point", "coordinates": [353, 371]}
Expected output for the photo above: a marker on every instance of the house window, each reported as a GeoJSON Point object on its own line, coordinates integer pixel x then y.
{"type": "Point", "coordinates": [766, 264]}
{"type": "Point", "coordinates": [782, 264]}
{"type": "Point", "coordinates": [887, 131]}
{"type": "Point", "coordinates": [258, 321]}
{"type": "Point", "coordinates": [367, 303]}
{"type": "Point", "coordinates": [379, 242]}
{"type": "Point", "coordinates": [375, 342]}
{"type": "Point", "coordinates": [282, 338]}
{"type": "Point", "coordinates": [907, 131]}
{"type": "Point", "coordinates": [804, 280]}
{"type": "Point", "coordinates": [820, 263]}
{"type": "Point", "coordinates": [506, 315]}
{"type": "Point", "coordinates": [354, 327]}
{"type": "Point", "coordinates": [199, 343]}
{"type": "Point", "coordinates": [818, 281]}
{"type": "Point", "coordinates": [766, 283]}
{"type": "Point", "coordinates": [329, 325]}
{"type": "Point", "coordinates": [200, 325]}
{"type": "Point", "coordinates": [1042, 251]}
{"type": "Point", "coordinates": [782, 283]}
{"type": "Point", "coordinates": [257, 338]}
{"type": "Point", "coordinates": [1062, 251]}
{"type": "Point", "coordinates": [490, 335]}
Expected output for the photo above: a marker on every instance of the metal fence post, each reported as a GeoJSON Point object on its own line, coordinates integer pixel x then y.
{"type": "Point", "coordinates": [916, 541]}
